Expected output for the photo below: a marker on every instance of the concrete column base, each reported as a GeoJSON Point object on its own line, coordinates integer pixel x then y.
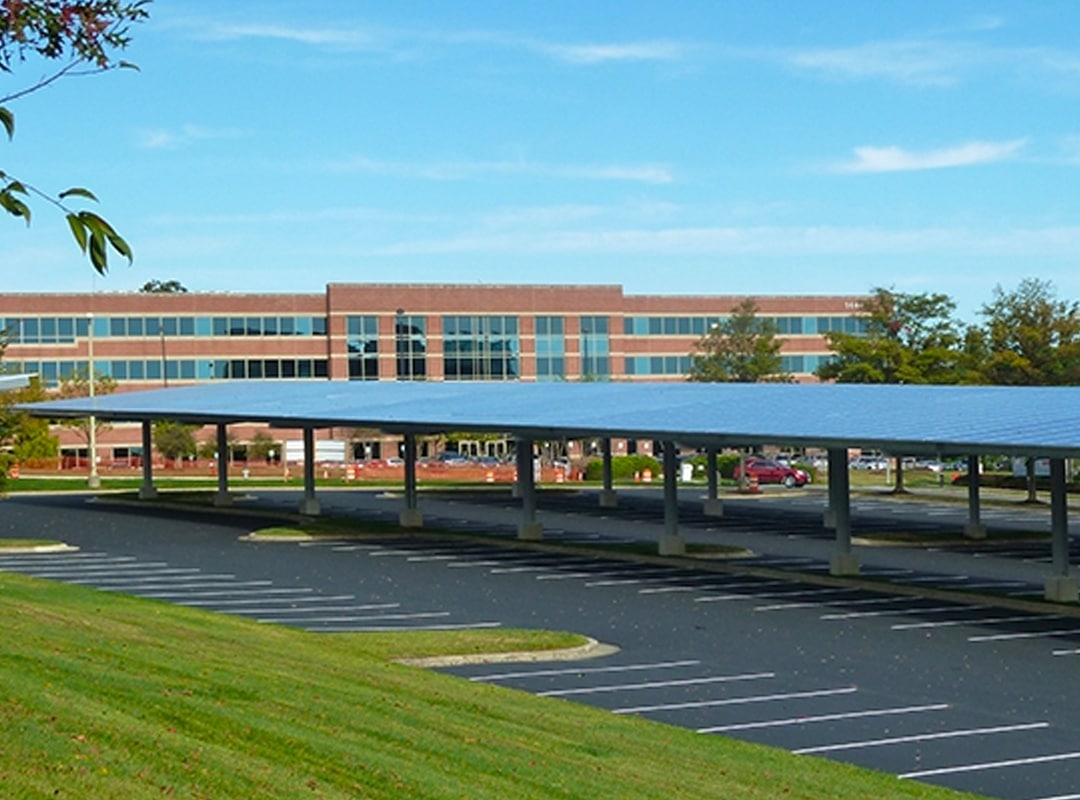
{"type": "Point", "coordinates": [411, 518]}
{"type": "Point", "coordinates": [672, 545]}
{"type": "Point", "coordinates": [515, 491]}
{"type": "Point", "coordinates": [975, 530]}
{"type": "Point", "coordinates": [713, 508]}
{"type": "Point", "coordinates": [828, 519]}
{"type": "Point", "coordinates": [222, 500]}
{"type": "Point", "coordinates": [1061, 589]}
{"type": "Point", "coordinates": [844, 564]}
{"type": "Point", "coordinates": [93, 482]}
{"type": "Point", "coordinates": [531, 531]}
{"type": "Point", "coordinates": [148, 492]}
{"type": "Point", "coordinates": [310, 507]}
{"type": "Point", "coordinates": [608, 498]}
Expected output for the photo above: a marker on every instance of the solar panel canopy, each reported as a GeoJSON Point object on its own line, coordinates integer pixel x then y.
{"type": "Point", "coordinates": [900, 419]}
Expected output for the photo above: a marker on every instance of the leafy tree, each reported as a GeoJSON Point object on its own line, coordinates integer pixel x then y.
{"type": "Point", "coordinates": [174, 439]}
{"type": "Point", "coordinates": [909, 338]}
{"type": "Point", "coordinates": [262, 444]}
{"type": "Point", "coordinates": [77, 384]}
{"type": "Point", "coordinates": [73, 37]}
{"type": "Point", "coordinates": [743, 348]}
{"type": "Point", "coordinates": [23, 436]}
{"type": "Point", "coordinates": [1030, 337]}
{"type": "Point", "coordinates": [163, 287]}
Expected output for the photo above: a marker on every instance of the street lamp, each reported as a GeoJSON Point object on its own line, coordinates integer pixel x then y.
{"type": "Point", "coordinates": [94, 481]}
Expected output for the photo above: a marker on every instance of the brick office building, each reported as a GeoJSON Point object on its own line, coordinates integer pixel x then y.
{"type": "Point", "coordinates": [390, 332]}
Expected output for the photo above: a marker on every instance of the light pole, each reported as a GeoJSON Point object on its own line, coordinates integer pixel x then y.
{"type": "Point", "coordinates": [94, 481]}
{"type": "Point", "coordinates": [399, 345]}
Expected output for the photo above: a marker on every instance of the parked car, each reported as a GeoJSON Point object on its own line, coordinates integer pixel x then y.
{"type": "Point", "coordinates": [875, 463]}
{"type": "Point", "coordinates": [767, 470]}
{"type": "Point", "coordinates": [451, 458]}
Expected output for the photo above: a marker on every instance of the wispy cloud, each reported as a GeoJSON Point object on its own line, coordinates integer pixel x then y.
{"type": "Point", "coordinates": [401, 42]}
{"type": "Point", "coordinates": [471, 170]}
{"type": "Point", "coordinates": [162, 139]}
{"type": "Point", "coordinates": [925, 62]}
{"type": "Point", "coordinates": [741, 241]}
{"type": "Point", "coordinates": [627, 51]}
{"type": "Point", "coordinates": [896, 159]}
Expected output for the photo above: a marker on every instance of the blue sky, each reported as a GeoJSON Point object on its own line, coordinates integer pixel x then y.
{"type": "Point", "coordinates": [674, 148]}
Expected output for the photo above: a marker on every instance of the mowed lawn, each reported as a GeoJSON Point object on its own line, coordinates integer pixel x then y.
{"type": "Point", "coordinates": [106, 696]}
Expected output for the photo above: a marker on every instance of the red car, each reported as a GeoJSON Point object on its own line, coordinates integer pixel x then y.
{"type": "Point", "coordinates": [768, 471]}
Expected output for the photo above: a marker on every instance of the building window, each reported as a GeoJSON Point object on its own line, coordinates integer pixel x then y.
{"type": "Point", "coordinates": [410, 346]}
{"type": "Point", "coordinates": [595, 349]}
{"type": "Point", "coordinates": [550, 349]}
{"type": "Point", "coordinates": [362, 341]}
{"type": "Point", "coordinates": [481, 348]}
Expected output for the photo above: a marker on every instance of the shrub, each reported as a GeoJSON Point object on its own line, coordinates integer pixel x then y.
{"type": "Point", "coordinates": [622, 467]}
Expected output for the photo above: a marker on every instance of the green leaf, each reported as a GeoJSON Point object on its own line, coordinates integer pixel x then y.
{"type": "Point", "coordinates": [14, 206]}
{"type": "Point", "coordinates": [77, 191]}
{"type": "Point", "coordinates": [128, 65]}
{"type": "Point", "coordinates": [77, 230]}
{"type": "Point", "coordinates": [99, 257]}
{"type": "Point", "coordinates": [7, 119]}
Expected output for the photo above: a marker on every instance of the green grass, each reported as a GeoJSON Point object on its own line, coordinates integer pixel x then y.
{"type": "Point", "coordinates": [24, 544]}
{"type": "Point", "coordinates": [107, 696]}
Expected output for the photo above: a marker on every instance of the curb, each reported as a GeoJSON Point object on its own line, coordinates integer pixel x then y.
{"type": "Point", "coordinates": [591, 649]}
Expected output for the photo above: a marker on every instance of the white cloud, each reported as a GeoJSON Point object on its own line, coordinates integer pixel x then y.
{"type": "Point", "coordinates": [627, 51]}
{"type": "Point", "coordinates": [162, 139]}
{"type": "Point", "coordinates": [895, 159]}
{"type": "Point", "coordinates": [915, 62]}
{"type": "Point", "coordinates": [470, 170]}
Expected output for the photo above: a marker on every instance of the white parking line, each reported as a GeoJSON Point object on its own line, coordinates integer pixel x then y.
{"type": "Point", "coordinates": [474, 563]}
{"type": "Point", "coordinates": [669, 589]}
{"type": "Point", "coordinates": [924, 737]}
{"type": "Point", "coordinates": [900, 611]}
{"type": "Point", "coordinates": [309, 609]}
{"type": "Point", "coordinates": [498, 676]}
{"type": "Point", "coordinates": [1014, 762]}
{"type": "Point", "coordinates": [952, 623]}
{"type": "Point", "coordinates": [158, 578]}
{"type": "Point", "coordinates": [633, 687]}
{"type": "Point", "coordinates": [225, 593]}
{"type": "Point", "coordinates": [257, 598]}
{"type": "Point", "coordinates": [434, 558]}
{"type": "Point", "coordinates": [1003, 637]}
{"type": "Point", "coordinates": [369, 617]}
{"type": "Point", "coordinates": [734, 701]}
{"type": "Point", "coordinates": [391, 628]}
{"type": "Point", "coordinates": [779, 723]}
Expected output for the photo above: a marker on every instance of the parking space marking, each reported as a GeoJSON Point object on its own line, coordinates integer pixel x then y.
{"type": "Point", "coordinates": [225, 593]}
{"type": "Point", "coordinates": [369, 617]}
{"type": "Point", "coordinates": [498, 676]}
{"type": "Point", "coordinates": [923, 737]}
{"type": "Point", "coordinates": [734, 701]}
{"type": "Point", "coordinates": [1004, 637]}
{"type": "Point", "coordinates": [896, 612]}
{"type": "Point", "coordinates": [391, 628]}
{"type": "Point", "coordinates": [780, 723]}
{"type": "Point", "coordinates": [309, 609]}
{"type": "Point", "coordinates": [634, 687]}
{"type": "Point", "coordinates": [669, 589]}
{"type": "Point", "coordinates": [158, 578]}
{"type": "Point", "coordinates": [256, 598]}
{"type": "Point", "coordinates": [952, 623]}
{"type": "Point", "coordinates": [986, 765]}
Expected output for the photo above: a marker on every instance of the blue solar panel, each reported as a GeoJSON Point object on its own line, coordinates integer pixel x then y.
{"type": "Point", "coordinates": [900, 419]}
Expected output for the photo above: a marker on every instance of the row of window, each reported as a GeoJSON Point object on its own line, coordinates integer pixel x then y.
{"type": "Point", "coordinates": [186, 369]}
{"type": "Point", "coordinates": [680, 365]}
{"type": "Point", "coordinates": [65, 330]}
{"type": "Point", "coordinates": [699, 326]}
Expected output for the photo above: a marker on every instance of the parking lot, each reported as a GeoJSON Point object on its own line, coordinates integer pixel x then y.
{"type": "Point", "coordinates": [967, 694]}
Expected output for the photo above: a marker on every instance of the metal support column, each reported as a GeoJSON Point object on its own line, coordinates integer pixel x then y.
{"type": "Point", "coordinates": [147, 491]}
{"type": "Point", "coordinates": [529, 528]}
{"type": "Point", "coordinates": [843, 562]}
{"type": "Point", "coordinates": [309, 504]}
{"type": "Point", "coordinates": [608, 498]}
{"type": "Point", "coordinates": [222, 498]}
{"type": "Point", "coordinates": [671, 543]}
{"type": "Point", "coordinates": [410, 516]}
{"type": "Point", "coordinates": [1060, 587]}
{"type": "Point", "coordinates": [714, 506]}
{"type": "Point", "coordinates": [974, 529]}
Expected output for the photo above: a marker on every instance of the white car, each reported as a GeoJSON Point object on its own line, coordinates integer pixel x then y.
{"type": "Point", "coordinates": [874, 463]}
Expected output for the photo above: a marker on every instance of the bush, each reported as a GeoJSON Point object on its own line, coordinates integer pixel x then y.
{"type": "Point", "coordinates": [622, 467]}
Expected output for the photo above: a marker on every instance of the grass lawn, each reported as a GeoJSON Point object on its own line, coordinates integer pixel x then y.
{"type": "Point", "coordinates": [106, 696]}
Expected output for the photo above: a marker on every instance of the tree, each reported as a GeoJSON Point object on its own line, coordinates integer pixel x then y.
{"type": "Point", "coordinates": [743, 348]}
{"type": "Point", "coordinates": [77, 384]}
{"type": "Point", "coordinates": [23, 437]}
{"type": "Point", "coordinates": [909, 338]}
{"type": "Point", "coordinates": [163, 287]}
{"type": "Point", "coordinates": [1030, 337]}
{"type": "Point", "coordinates": [262, 445]}
{"type": "Point", "coordinates": [174, 439]}
{"type": "Point", "coordinates": [81, 37]}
